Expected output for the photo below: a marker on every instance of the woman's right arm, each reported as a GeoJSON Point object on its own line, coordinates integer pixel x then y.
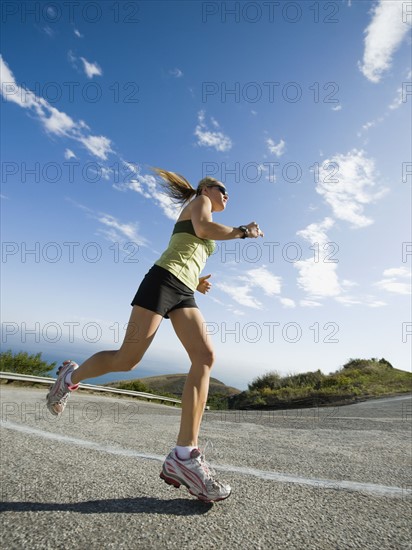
{"type": "Point", "coordinates": [206, 228]}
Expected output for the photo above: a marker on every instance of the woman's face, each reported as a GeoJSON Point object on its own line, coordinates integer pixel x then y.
{"type": "Point", "coordinates": [218, 196]}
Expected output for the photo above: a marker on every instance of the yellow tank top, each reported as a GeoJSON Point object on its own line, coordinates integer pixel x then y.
{"type": "Point", "coordinates": [186, 254]}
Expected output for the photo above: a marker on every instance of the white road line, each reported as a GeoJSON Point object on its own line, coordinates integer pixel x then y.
{"type": "Point", "coordinates": [369, 488]}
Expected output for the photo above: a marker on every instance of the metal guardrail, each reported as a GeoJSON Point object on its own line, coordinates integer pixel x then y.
{"type": "Point", "coordinates": [47, 380]}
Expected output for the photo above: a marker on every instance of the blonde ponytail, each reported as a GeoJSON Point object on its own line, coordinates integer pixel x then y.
{"type": "Point", "coordinates": [179, 189]}
{"type": "Point", "coordinates": [176, 186]}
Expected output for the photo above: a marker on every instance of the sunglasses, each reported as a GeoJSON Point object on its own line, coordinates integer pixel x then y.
{"type": "Point", "coordinates": [221, 189]}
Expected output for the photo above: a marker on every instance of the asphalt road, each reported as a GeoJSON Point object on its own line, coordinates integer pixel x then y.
{"type": "Point", "coordinates": [335, 478]}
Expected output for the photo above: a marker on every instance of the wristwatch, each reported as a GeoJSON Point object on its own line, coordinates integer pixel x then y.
{"type": "Point", "coordinates": [245, 231]}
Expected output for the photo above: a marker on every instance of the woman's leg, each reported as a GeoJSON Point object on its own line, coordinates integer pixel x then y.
{"type": "Point", "coordinates": [189, 326]}
{"type": "Point", "coordinates": [140, 332]}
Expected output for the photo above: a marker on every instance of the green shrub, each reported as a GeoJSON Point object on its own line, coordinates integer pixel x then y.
{"type": "Point", "coordinates": [270, 380]}
{"type": "Point", "coordinates": [366, 363]}
{"type": "Point", "coordinates": [330, 382]}
{"type": "Point", "coordinates": [134, 385]}
{"type": "Point", "coordinates": [218, 401]}
{"type": "Point", "coordinates": [24, 363]}
{"type": "Point", "coordinates": [310, 379]}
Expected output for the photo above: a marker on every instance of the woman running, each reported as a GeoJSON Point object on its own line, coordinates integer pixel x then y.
{"type": "Point", "coordinates": [167, 291]}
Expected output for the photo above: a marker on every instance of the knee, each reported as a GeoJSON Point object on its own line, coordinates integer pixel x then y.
{"type": "Point", "coordinates": [211, 358]}
{"type": "Point", "coordinates": [205, 357]}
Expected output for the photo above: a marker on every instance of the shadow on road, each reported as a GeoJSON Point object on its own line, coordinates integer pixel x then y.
{"type": "Point", "coordinates": [139, 505]}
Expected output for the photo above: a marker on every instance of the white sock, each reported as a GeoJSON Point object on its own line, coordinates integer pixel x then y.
{"type": "Point", "coordinates": [68, 379]}
{"type": "Point", "coordinates": [183, 452]}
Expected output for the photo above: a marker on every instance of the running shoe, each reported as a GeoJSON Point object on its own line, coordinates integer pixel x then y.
{"type": "Point", "coordinates": [60, 391]}
{"type": "Point", "coordinates": [196, 475]}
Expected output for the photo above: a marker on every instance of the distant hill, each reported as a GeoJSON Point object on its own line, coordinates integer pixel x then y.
{"type": "Point", "coordinates": [357, 380]}
{"type": "Point", "coordinates": [172, 384]}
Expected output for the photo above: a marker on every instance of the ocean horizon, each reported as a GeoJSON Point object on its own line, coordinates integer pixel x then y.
{"type": "Point", "coordinates": [147, 367]}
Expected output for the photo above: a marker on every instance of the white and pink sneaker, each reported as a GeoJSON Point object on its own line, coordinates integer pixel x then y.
{"type": "Point", "coordinates": [60, 391]}
{"type": "Point", "coordinates": [196, 475]}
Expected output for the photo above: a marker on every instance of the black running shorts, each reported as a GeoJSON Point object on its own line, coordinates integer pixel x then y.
{"type": "Point", "coordinates": [162, 292]}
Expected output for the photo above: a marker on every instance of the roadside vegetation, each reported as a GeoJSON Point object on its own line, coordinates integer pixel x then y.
{"type": "Point", "coordinates": [131, 385]}
{"type": "Point", "coordinates": [25, 363]}
{"type": "Point", "coordinates": [358, 379]}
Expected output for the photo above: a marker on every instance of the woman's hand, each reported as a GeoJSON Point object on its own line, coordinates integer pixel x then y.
{"type": "Point", "coordinates": [204, 285]}
{"type": "Point", "coordinates": [254, 230]}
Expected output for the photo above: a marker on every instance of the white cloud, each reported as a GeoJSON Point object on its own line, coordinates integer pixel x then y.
{"type": "Point", "coordinates": [11, 91]}
{"type": "Point", "coordinates": [49, 31]}
{"type": "Point", "coordinates": [318, 279]}
{"type": "Point", "coordinates": [60, 124]}
{"type": "Point", "coordinates": [277, 149]}
{"type": "Point", "coordinates": [348, 300]}
{"type": "Point", "coordinates": [262, 278]}
{"type": "Point", "coordinates": [391, 282]}
{"type": "Point", "coordinates": [269, 171]}
{"type": "Point", "coordinates": [240, 294]}
{"type": "Point", "coordinates": [287, 302]}
{"type": "Point", "coordinates": [170, 209]}
{"type": "Point", "coordinates": [99, 146]}
{"type": "Point", "coordinates": [349, 284]}
{"type": "Point", "coordinates": [367, 301]}
{"type": "Point", "coordinates": [391, 285]}
{"type": "Point", "coordinates": [207, 138]}
{"type": "Point", "coordinates": [91, 69]}
{"type": "Point", "coordinates": [347, 183]}
{"type": "Point", "coordinates": [114, 230]}
{"type": "Point", "coordinates": [147, 186]}
{"type": "Point", "coordinates": [177, 73]}
{"type": "Point", "coordinates": [72, 59]}
{"type": "Point", "coordinates": [53, 121]}
{"type": "Point", "coordinates": [402, 93]}
{"type": "Point", "coordinates": [68, 154]}
{"type": "Point", "coordinates": [337, 108]}
{"type": "Point", "coordinates": [397, 100]}
{"type": "Point", "coordinates": [384, 35]}
{"type": "Point", "coordinates": [57, 122]}
{"type": "Point", "coordinates": [316, 232]}
{"type": "Point", "coordinates": [397, 272]}
{"type": "Point", "coordinates": [368, 125]}
{"type": "Point", "coordinates": [377, 303]}
{"type": "Point", "coordinates": [240, 288]}
{"type": "Point", "coordinates": [317, 275]}
{"type": "Point", "coordinates": [309, 303]}
{"type": "Point", "coordinates": [119, 231]}
{"type": "Point", "coordinates": [400, 98]}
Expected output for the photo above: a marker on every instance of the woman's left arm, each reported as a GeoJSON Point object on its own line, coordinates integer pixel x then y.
{"type": "Point", "coordinates": [204, 285]}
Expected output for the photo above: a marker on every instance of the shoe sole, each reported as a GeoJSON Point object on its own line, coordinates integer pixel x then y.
{"type": "Point", "coordinates": [177, 484]}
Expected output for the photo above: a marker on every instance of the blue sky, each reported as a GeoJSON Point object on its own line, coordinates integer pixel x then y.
{"type": "Point", "coordinates": [302, 109]}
